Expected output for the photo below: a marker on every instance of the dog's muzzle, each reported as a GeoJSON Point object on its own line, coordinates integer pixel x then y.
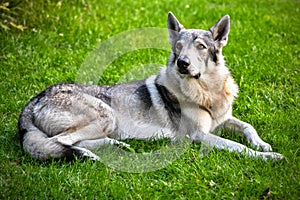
{"type": "Point", "coordinates": [183, 63]}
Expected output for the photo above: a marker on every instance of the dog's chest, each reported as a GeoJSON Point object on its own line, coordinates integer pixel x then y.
{"type": "Point", "coordinates": [221, 98]}
{"type": "Point", "coordinates": [206, 117]}
{"type": "Point", "coordinates": [219, 106]}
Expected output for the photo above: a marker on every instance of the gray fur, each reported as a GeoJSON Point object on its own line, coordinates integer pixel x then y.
{"type": "Point", "coordinates": [191, 97]}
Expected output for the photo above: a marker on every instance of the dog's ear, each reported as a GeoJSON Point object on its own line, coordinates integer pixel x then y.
{"type": "Point", "coordinates": [221, 30]}
{"type": "Point", "coordinates": [174, 27]}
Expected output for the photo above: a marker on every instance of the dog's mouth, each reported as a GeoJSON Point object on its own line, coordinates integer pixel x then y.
{"type": "Point", "coordinates": [186, 72]}
{"type": "Point", "coordinates": [197, 76]}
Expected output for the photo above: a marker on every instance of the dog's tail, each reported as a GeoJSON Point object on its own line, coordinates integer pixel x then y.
{"type": "Point", "coordinates": [35, 141]}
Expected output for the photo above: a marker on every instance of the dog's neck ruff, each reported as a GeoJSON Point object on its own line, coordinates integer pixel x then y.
{"type": "Point", "coordinates": [215, 99]}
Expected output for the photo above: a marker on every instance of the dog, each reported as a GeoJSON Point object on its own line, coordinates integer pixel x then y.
{"type": "Point", "coordinates": [191, 97]}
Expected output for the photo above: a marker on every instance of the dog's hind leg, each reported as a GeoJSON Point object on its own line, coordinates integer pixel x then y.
{"type": "Point", "coordinates": [90, 119]}
{"type": "Point", "coordinates": [248, 131]}
{"type": "Point", "coordinates": [90, 144]}
{"type": "Point", "coordinates": [85, 147]}
{"type": "Point", "coordinates": [222, 143]}
{"type": "Point", "coordinates": [97, 129]}
{"type": "Point", "coordinates": [85, 152]}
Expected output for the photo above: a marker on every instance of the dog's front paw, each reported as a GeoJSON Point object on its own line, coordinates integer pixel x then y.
{"type": "Point", "coordinates": [266, 147]}
{"type": "Point", "coordinates": [262, 146]}
{"type": "Point", "coordinates": [272, 156]}
{"type": "Point", "coordinates": [255, 140]}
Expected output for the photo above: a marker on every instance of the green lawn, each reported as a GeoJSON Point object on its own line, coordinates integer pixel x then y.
{"type": "Point", "coordinates": [263, 54]}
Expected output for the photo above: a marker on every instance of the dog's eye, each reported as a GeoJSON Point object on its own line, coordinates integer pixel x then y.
{"type": "Point", "coordinates": [178, 46]}
{"type": "Point", "coordinates": [200, 46]}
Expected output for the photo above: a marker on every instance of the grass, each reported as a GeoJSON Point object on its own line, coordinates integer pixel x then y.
{"type": "Point", "coordinates": [262, 53]}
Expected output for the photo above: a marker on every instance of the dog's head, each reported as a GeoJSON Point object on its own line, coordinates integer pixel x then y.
{"type": "Point", "coordinates": [194, 51]}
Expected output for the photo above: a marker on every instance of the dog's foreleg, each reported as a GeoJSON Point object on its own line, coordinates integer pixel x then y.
{"type": "Point", "coordinates": [222, 143]}
{"type": "Point", "coordinates": [248, 131]}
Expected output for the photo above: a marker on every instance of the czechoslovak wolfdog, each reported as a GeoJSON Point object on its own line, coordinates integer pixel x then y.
{"type": "Point", "coordinates": [190, 97]}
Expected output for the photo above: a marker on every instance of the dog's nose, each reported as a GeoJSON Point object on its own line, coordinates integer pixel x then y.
{"type": "Point", "coordinates": [183, 62]}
